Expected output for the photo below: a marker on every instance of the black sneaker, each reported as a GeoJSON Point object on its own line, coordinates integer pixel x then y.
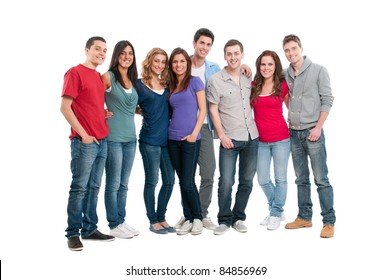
{"type": "Point", "coordinates": [99, 236]}
{"type": "Point", "coordinates": [74, 244]}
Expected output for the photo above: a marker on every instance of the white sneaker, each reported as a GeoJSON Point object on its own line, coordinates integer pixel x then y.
{"type": "Point", "coordinates": [240, 226]}
{"type": "Point", "coordinates": [197, 227]}
{"type": "Point", "coordinates": [274, 223]}
{"type": "Point", "coordinates": [266, 219]}
{"type": "Point", "coordinates": [180, 223]}
{"type": "Point", "coordinates": [185, 228]}
{"type": "Point", "coordinates": [131, 229]}
{"type": "Point", "coordinates": [221, 229]}
{"type": "Point", "coordinates": [208, 224]}
{"type": "Point", "coordinates": [121, 232]}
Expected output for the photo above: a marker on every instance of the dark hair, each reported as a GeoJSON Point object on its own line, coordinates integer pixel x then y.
{"type": "Point", "coordinates": [113, 67]}
{"type": "Point", "coordinates": [90, 41]}
{"type": "Point", "coordinates": [173, 81]}
{"type": "Point", "coordinates": [204, 32]}
{"type": "Point", "coordinates": [233, 42]}
{"type": "Point", "coordinates": [290, 38]}
{"type": "Point", "coordinates": [278, 76]}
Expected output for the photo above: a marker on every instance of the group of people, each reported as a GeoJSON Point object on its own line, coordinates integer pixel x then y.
{"type": "Point", "coordinates": [185, 102]}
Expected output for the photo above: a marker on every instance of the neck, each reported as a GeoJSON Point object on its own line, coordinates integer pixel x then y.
{"type": "Point", "coordinates": [197, 62]}
{"type": "Point", "coordinates": [90, 64]}
{"type": "Point", "coordinates": [297, 65]}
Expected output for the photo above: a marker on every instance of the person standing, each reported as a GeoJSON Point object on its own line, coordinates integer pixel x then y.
{"type": "Point", "coordinates": [82, 105]}
{"type": "Point", "coordinates": [228, 94]}
{"type": "Point", "coordinates": [121, 100]}
{"type": "Point", "coordinates": [269, 91]}
{"type": "Point", "coordinates": [309, 105]}
{"type": "Point", "coordinates": [153, 103]}
{"type": "Point", "coordinates": [188, 103]}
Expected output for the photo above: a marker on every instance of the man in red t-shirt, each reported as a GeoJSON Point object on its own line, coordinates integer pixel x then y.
{"type": "Point", "coordinates": [82, 105]}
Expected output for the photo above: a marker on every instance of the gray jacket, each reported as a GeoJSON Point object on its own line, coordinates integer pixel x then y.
{"type": "Point", "coordinates": [310, 93]}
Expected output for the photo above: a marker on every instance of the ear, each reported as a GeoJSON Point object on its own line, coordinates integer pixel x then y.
{"type": "Point", "coordinates": [194, 44]}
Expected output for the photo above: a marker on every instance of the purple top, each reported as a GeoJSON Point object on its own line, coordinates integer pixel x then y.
{"type": "Point", "coordinates": [185, 110]}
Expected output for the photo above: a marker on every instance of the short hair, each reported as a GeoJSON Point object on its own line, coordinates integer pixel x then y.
{"type": "Point", "coordinates": [204, 32]}
{"type": "Point", "coordinates": [90, 41]}
{"type": "Point", "coordinates": [290, 38]}
{"type": "Point", "coordinates": [233, 42]}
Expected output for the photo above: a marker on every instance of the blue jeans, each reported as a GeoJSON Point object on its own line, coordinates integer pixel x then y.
{"type": "Point", "coordinates": [118, 169]}
{"type": "Point", "coordinates": [301, 149]}
{"type": "Point", "coordinates": [246, 152]}
{"type": "Point", "coordinates": [207, 168]}
{"type": "Point", "coordinates": [184, 157]}
{"type": "Point", "coordinates": [279, 152]}
{"type": "Point", "coordinates": [87, 165]}
{"type": "Point", "coordinates": [155, 158]}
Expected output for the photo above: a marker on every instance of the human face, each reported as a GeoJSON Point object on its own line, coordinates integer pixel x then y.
{"type": "Point", "coordinates": [202, 46]}
{"type": "Point", "coordinates": [233, 56]}
{"type": "Point", "coordinates": [293, 52]}
{"type": "Point", "coordinates": [179, 64]}
{"type": "Point", "coordinates": [158, 64]}
{"type": "Point", "coordinates": [96, 54]}
{"type": "Point", "coordinates": [267, 66]}
{"type": "Point", "coordinates": [126, 57]}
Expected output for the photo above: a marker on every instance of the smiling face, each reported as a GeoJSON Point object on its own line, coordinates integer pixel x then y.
{"type": "Point", "coordinates": [233, 56]}
{"type": "Point", "coordinates": [126, 57]}
{"type": "Point", "coordinates": [158, 64]}
{"type": "Point", "coordinates": [179, 64]}
{"type": "Point", "coordinates": [202, 46]}
{"type": "Point", "coordinates": [267, 67]}
{"type": "Point", "coordinates": [96, 54]}
{"type": "Point", "coordinates": [293, 52]}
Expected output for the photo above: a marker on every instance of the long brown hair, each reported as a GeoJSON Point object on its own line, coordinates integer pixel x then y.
{"type": "Point", "coordinates": [173, 80]}
{"type": "Point", "coordinates": [259, 79]}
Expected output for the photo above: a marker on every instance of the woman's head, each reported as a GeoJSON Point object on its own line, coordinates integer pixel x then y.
{"type": "Point", "coordinates": [155, 63]}
{"type": "Point", "coordinates": [180, 69]}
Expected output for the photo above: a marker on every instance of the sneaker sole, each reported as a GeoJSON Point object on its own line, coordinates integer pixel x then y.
{"type": "Point", "coordinates": [99, 240]}
{"type": "Point", "coordinates": [76, 249]}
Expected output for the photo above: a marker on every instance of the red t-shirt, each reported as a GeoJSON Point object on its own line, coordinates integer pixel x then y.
{"type": "Point", "coordinates": [268, 114]}
{"type": "Point", "coordinates": [87, 89]}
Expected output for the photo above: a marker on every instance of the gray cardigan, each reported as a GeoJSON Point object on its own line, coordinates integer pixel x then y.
{"type": "Point", "coordinates": [310, 94]}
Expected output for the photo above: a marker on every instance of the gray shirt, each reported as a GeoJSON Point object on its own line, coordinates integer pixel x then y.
{"type": "Point", "coordinates": [233, 105]}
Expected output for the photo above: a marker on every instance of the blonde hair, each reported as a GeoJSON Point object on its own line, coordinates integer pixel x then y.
{"type": "Point", "coordinates": [146, 75]}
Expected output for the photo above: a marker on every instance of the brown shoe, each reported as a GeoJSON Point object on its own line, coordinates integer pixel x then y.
{"type": "Point", "coordinates": [298, 223]}
{"type": "Point", "coordinates": [327, 231]}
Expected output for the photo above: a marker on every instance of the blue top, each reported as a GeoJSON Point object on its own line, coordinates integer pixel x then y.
{"type": "Point", "coordinates": [185, 110]}
{"type": "Point", "coordinates": [211, 68]}
{"type": "Point", "coordinates": [123, 105]}
{"type": "Point", "coordinates": [155, 111]}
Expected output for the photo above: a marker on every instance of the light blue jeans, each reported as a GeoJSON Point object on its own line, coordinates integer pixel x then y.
{"type": "Point", "coordinates": [276, 192]}
{"type": "Point", "coordinates": [301, 150]}
{"type": "Point", "coordinates": [155, 158]}
{"type": "Point", "coordinates": [87, 165]}
{"type": "Point", "coordinates": [118, 169]}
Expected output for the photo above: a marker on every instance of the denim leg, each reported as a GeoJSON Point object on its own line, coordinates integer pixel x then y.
{"type": "Point", "coordinates": [184, 157]}
{"type": "Point", "coordinates": [264, 156]}
{"type": "Point", "coordinates": [227, 170]}
{"type": "Point", "coordinates": [90, 218]}
{"type": "Point", "coordinates": [151, 158]}
{"type": "Point", "coordinates": [300, 162]}
{"type": "Point", "coordinates": [246, 171]}
{"type": "Point", "coordinates": [207, 166]}
{"type": "Point", "coordinates": [280, 156]}
{"type": "Point", "coordinates": [167, 174]}
{"type": "Point", "coordinates": [318, 159]}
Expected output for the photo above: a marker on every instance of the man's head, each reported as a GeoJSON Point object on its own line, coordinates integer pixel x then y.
{"type": "Point", "coordinates": [95, 50]}
{"type": "Point", "coordinates": [292, 48]}
{"type": "Point", "coordinates": [202, 42]}
{"type": "Point", "coordinates": [234, 52]}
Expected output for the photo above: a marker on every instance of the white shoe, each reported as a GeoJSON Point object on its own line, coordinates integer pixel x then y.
{"type": "Point", "coordinates": [221, 229]}
{"type": "Point", "coordinates": [274, 223]}
{"type": "Point", "coordinates": [121, 232]}
{"type": "Point", "coordinates": [266, 219]}
{"type": "Point", "coordinates": [208, 224]}
{"type": "Point", "coordinates": [180, 223]}
{"type": "Point", "coordinates": [197, 227]}
{"type": "Point", "coordinates": [185, 228]}
{"type": "Point", "coordinates": [131, 229]}
{"type": "Point", "coordinates": [240, 226]}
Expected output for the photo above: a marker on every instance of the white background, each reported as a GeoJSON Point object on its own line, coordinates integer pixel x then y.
{"type": "Point", "coordinates": [40, 40]}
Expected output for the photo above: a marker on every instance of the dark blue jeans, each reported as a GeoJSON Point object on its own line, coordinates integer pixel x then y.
{"type": "Point", "coordinates": [155, 158]}
{"type": "Point", "coordinates": [184, 157]}
{"type": "Point", "coordinates": [246, 152]}
{"type": "Point", "coordinates": [301, 150]}
{"type": "Point", "coordinates": [87, 165]}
